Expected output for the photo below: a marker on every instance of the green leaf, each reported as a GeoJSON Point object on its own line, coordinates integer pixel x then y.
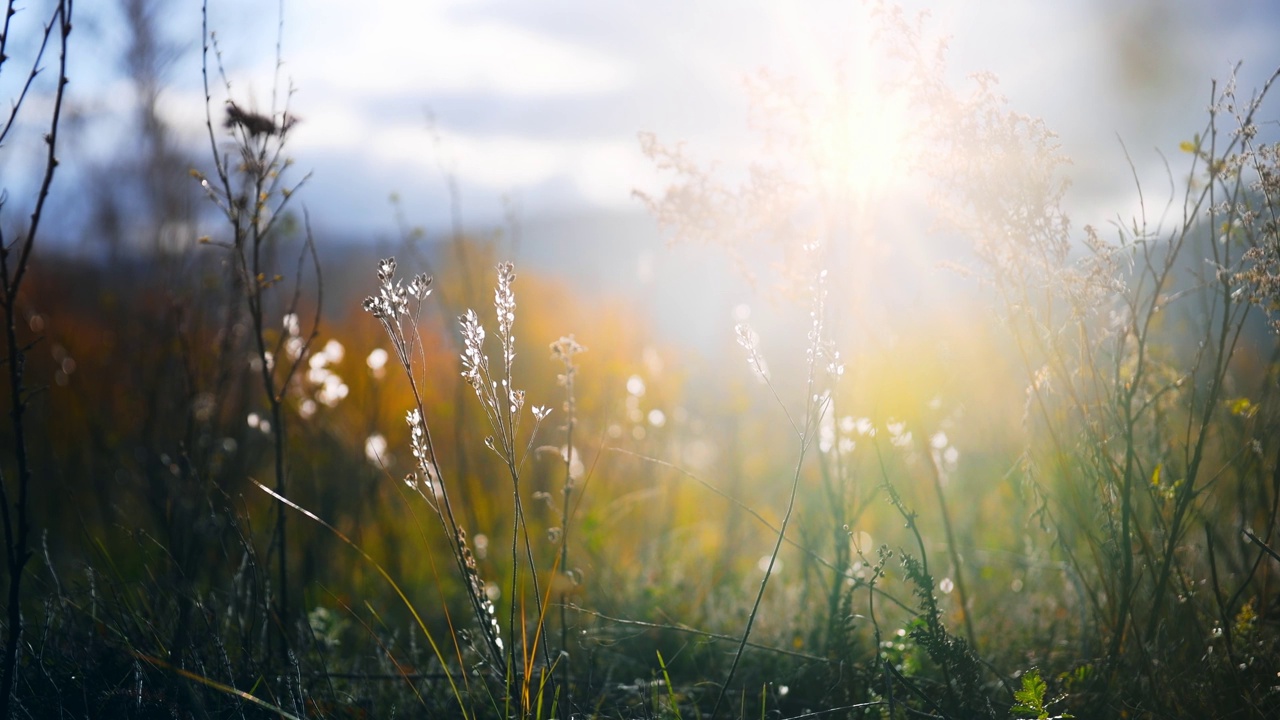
{"type": "Point", "coordinates": [1030, 699]}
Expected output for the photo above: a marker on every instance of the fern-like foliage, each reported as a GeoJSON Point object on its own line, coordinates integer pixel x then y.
{"type": "Point", "coordinates": [1030, 702]}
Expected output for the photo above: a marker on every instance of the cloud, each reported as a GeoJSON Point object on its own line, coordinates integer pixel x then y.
{"type": "Point", "coordinates": [600, 172]}
{"type": "Point", "coordinates": [544, 100]}
{"type": "Point", "coordinates": [422, 48]}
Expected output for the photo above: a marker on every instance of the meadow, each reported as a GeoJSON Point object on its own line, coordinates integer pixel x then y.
{"type": "Point", "coordinates": [248, 474]}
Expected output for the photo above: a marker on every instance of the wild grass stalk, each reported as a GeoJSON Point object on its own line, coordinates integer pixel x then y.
{"type": "Point", "coordinates": [953, 549]}
{"type": "Point", "coordinates": [502, 403]}
{"type": "Point", "coordinates": [564, 350]}
{"type": "Point", "coordinates": [1128, 353]}
{"type": "Point", "coordinates": [821, 358]}
{"type": "Point", "coordinates": [392, 308]}
{"type": "Point", "coordinates": [528, 683]}
{"type": "Point", "coordinates": [436, 648]}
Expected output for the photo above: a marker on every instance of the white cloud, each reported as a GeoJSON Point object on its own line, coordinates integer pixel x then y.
{"type": "Point", "coordinates": [350, 65]}
{"type": "Point", "coordinates": [331, 127]}
{"type": "Point", "coordinates": [364, 73]}
{"type": "Point", "coordinates": [412, 48]}
{"type": "Point", "coordinates": [601, 171]}
{"type": "Point", "coordinates": [606, 173]}
{"type": "Point", "coordinates": [495, 162]}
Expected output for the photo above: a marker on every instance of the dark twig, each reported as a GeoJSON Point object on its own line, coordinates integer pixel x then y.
{"type": "Point", "coordinates": [15, 511]}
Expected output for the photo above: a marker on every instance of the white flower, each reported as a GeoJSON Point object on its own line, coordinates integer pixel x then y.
{"type": "Point", "coordinates": [635, 386]}
{"type": "Point", "coordinates": [375, 448]}
{"type": "Point", "coordinates": [386, 269]}
{"type": "Point", "coordinates": [334, 351]}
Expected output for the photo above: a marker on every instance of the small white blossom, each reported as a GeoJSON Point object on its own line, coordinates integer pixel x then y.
{"type": "Point", "coordinates": [375, 448]}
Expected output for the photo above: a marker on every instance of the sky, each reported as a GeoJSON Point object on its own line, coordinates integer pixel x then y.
{"type": "Point", "coordinates": [533, 110]}
{"type": "Point", "coordinates": [534, 107]}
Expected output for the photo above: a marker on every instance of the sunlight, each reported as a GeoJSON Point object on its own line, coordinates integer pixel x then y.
{"type": "Point", "coordinates": [860, 141]}
{"type": "Point", "coordinates": [862, 144]}
{"type": "Point", "coordinates": [956, 442]}
{"type": "Point", "coordinates": [856, 123]}
{"type": "Point", "coordinates": [832, 171]}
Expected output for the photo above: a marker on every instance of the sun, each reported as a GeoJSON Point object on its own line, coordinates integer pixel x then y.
{"type": "Point", "coordinates": [851, 99]}
{"type": "Point", "coordinates": [859, 137]}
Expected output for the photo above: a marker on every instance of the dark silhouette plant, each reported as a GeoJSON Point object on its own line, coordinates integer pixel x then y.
{"type": "Point", "coordinates": [248, 186]}
{"type": "Point", "coordinates": [15, 258]}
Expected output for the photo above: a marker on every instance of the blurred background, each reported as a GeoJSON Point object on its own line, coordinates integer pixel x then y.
{"type": "Point", "coordinates": [609, 150]}
{"type": "Point", "coordinates": [482, 115]}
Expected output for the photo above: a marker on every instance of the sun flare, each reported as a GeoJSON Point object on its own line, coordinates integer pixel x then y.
{"type": "Point", "coordinates": [860, 143]}
{"type": "Point", "coordinates": [856, 122]}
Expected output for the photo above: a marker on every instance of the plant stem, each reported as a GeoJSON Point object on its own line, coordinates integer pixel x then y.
{"type": "Point", "coordinates": [953, 550]}
{"type": "Point", "coordinates": [17, 550]}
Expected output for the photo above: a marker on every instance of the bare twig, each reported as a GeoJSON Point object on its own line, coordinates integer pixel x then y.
{"type": "Point", "coordinates": [15, 510]}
